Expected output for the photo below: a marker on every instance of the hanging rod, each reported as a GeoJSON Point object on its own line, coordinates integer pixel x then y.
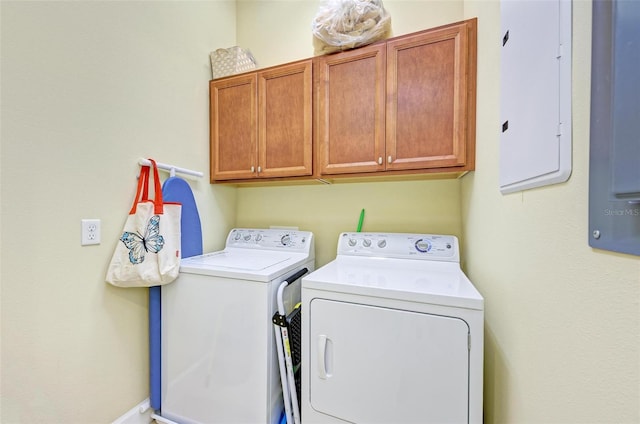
{"type": "Point", "coordinates": [171, 168]}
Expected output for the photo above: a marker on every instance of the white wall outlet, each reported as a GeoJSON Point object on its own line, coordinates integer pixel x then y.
{"type": "Point", "coordinates": [90, 232]}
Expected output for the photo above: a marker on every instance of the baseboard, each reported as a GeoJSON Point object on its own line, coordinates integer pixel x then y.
{"type": "Point", "coordinates": [139, 414]}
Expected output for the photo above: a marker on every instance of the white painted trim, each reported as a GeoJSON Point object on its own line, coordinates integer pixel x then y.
{"type": "Point", "coordinates": [161, 419]}
{"type": "Point", "coordinates": [139, 414]}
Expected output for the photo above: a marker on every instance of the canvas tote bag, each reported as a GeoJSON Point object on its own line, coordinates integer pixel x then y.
{"type": "Point", "coordinates": [148, 251]}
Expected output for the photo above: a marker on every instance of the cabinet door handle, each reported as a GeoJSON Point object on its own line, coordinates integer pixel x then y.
{"type": "Point", "coordinates": [259, 169]}
{"type": "Point", "coordinates": [380, 160]}
{"type": "Point", "coordinates": [253, 169]}
{"type": "Point", "coordinates": [389, 159]}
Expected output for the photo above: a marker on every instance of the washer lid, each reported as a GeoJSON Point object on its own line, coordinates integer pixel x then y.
{"type": "Point", "coordinates": [439, 283]}
{"type": "Point", "coordinates": [258, 265]}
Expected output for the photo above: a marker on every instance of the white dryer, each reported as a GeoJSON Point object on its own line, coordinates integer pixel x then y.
{"type": "Point", "coordinates": [219, 358]}
{"type": "Point", "coordinates": [392, 333]}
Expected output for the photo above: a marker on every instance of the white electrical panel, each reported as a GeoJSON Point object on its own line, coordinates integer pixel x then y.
{"type": "Point", "coordinates": [535, 93]}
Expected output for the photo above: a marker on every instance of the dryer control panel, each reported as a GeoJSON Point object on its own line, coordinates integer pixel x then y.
{"type": "Point", "coordinates": [400, 245]}
{"type": "Point", "coordinates": [270, 239]}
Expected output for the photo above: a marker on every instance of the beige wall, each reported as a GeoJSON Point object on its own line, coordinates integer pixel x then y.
{"type": "Point", "coordinates": [280, 31]}
{"type": "Point", "coordinates": [562, 325]}
{"type": "Point", "coordinates": [87, 89]}
{"type": "Point", "coordinates": [327, 210]}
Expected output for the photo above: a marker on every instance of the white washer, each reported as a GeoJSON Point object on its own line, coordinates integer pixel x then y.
{"type": "Point", "coordinates": [392, 333]}
{"type": "Point", "coordinates": [219, 360]}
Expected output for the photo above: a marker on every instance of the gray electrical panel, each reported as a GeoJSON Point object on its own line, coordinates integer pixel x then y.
{"type": "Point", "coordinates": [614, 172]}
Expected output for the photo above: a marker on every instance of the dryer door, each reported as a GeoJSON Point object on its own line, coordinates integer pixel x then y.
{"type": "Point", "coordinates": [370, 364]}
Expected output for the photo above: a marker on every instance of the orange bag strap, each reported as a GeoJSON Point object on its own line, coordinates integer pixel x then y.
{"type": "Point", "coordinates": [143, 189]}
{"type": "Point", "coordinates": [145, 183]}
{"type": "Point", "coordinates": [157, 189]}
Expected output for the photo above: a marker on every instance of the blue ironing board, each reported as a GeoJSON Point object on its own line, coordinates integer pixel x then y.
{"type": "Point", "coordinates": [174, 189]}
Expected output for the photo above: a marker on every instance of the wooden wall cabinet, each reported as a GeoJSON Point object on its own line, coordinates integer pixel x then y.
{"type": "Point", "coordinates": [406, 105]}
{"type": "Point", "coordinates": [261, 124]}
{"type": "Point", "coordinates": [401, 106]}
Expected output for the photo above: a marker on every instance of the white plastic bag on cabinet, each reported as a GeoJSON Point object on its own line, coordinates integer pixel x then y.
{"type": "Point", "coordinates": [347, 24]}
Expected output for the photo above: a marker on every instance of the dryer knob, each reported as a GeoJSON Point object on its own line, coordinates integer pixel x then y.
{"type": "Point", "coordinates": [237, 236]}
{"type": "Point", "coordinates": [352, 242]}
{"type": "Point", "coordinates": [247, 237]}
{"type": "Point", "coordinates": [366, 242]}
{"type": "Point", "coordinates": [258, 237]}
{"type": "Point", "coordinates": [382, 243]}
{"type": "Point", "coordinates": [286, 239]}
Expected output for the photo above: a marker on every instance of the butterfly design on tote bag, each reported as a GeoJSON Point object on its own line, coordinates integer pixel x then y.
{"type": "Point", "coordinates": [138, 245]}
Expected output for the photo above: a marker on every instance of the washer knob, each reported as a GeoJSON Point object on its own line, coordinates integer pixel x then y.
{"type": "Point", "coordinates": [352, 242]}
{"type": "Point", "coordinates": [423, 245]}
{"type": "Point", "coordinates": [237, 236]}
{"type": "Point", "coordinates": [247, 237]}
{"type": "Point", "coordinates": [366, 242]}
{"type": "Point", "coordinates": [286, 239]}
{"type": "Point", "coordinates": [258, 237]}
{"type": "Point", "coordinates": [382, 243]}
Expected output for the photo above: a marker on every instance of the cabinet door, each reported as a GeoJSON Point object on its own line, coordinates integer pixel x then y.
{"type": "Point", "coordinates": [351, 111]}
{"type": "Point", "coordinates": [233, 127]}
{"type": "Point", "coordinates": [285, 118]}
{"type": "Point", "coordinates": [427, 99]}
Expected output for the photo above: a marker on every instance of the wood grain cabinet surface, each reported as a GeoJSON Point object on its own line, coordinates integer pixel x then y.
{"type": "Point", "coordinates": [350, 117]}
{"type": "Point", "coordinates": [261, 124]}
{"type": "Point", "coordinates": [403, 106]}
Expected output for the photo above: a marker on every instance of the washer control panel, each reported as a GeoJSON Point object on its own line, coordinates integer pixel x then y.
{"type": "Point", "coordinates": [400, 245]}
{"type": "Point", "coordinates": [270, 239]}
